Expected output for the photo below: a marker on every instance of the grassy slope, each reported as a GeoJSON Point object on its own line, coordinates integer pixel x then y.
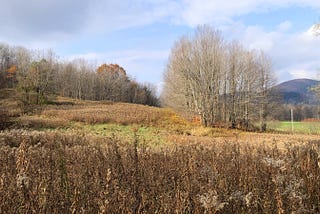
{"type": "Point", "coordinates": [127, 121]}
{"type": "Point", "coordinates": [101, 157]}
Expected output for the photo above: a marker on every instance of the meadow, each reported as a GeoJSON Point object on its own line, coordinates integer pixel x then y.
{"type": "Point", "coordinates": [74, 156]}
{"type": "Point", "coordinates": [297, 126]}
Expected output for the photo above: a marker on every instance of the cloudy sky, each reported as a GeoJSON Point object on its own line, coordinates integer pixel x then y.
{"type": "Point", "coordinates": [138, 34]}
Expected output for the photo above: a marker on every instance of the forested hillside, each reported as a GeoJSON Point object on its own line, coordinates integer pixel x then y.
{"type": "Point", "coordinates": [37, 74]}
{"type": "Point", "coordinates": [297, 91]}
{"type": "Point", "coordinates": [298, 95]}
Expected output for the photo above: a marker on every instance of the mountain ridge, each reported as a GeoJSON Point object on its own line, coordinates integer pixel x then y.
{"type": "Point", "coordinates": [297, 91]}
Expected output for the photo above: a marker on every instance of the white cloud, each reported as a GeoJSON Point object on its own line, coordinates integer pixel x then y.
{"type": "Point", "coordinates": [298, 74]}
{"type": "Point", "coordinates": [255, 37]}
{"type": "Point", "coordinates": [113, 15]}
{"type": "Point", "coordinates": [219, 12]}
{"type": "Point", "coordinates": [284, 26]}
{"type": "Point", "coordinates": [43, 24]}
{"type": "Point", "coordinates": [294, 55]}
{"type": "Point", "coordinates": [53, 21]}
{"type": "Point", "coordinates": [313, 32]}
{"type": "Point", "coordinates": [144, 65]}
{"type": "Point", "coordinates": [123, 56]}
{"type": "Point", "coordinates": [24, 19]}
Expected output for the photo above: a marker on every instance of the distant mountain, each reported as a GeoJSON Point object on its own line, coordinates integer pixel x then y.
{"type": "Point", "coordinates": [297, 91]}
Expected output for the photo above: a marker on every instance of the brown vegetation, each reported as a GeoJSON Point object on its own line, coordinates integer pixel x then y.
{"type": "Point", "coordinates": [50, 172]}
{"type": "Point", "coordinates": [311, 120]}
{"type": "Point", "coordinates": [119, 113]}
{"type": "Point", "coordinates": [193, 169]}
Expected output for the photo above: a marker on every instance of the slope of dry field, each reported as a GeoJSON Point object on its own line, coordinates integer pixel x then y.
{"type": "Point", "coordinates": [92, 157]}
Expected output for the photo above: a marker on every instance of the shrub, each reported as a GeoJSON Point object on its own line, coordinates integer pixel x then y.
{"type": "Point", "coordinates": [5, 121]}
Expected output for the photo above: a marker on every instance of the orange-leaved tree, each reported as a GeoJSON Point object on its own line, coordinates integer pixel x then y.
{"type": "Point", "coordinates": [112, 83]}
{"type": "Point", "coordinates": [114, 69]}
{"type": "Point", "coordinates": [12, 75]}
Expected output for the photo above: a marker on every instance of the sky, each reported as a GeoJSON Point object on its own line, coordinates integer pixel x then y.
{"type": "Point", "coordinates": [139, 34]}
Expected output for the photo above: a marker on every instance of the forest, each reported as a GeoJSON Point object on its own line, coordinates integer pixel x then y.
{"type": "Point", "coordinates": [38, 74]}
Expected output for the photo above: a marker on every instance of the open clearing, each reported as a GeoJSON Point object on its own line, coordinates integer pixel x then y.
{"type": "Point", "coordinates": [100, 157]}
{"type": "Point", "coordinates": [298, 127]}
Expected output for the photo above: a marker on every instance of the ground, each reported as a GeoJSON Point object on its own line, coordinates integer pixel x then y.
{"type": "Point", "coordinates": [72, 156]}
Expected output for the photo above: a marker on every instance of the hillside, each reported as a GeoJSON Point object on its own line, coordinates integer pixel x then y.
{"type": "Point", "coordinates": [297, 91]}
{"type": "Point", "coordinates": [108, 157]}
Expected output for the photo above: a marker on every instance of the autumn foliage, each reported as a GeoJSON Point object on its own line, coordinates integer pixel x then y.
{"type": "Point", "coordinates": [114, 69]}
{"type": "Point", "coordinates": [40, 74]}
{"type": "Point", "coordinates": [11, 72]}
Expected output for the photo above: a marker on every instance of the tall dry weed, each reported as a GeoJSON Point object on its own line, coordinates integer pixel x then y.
{"type": "Point", "coordinates": [52, 172]}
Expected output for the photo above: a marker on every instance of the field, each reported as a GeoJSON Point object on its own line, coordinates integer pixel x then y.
{"type": "Point", "coordinates": [73, 156]}
{"type": "Point", "coordinates": [298, 127]}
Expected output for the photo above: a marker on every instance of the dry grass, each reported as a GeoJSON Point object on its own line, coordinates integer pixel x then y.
{"type": "Point", "coordinates": [9, 107]}
{"type": "Point", "coordinates": [101, 158]}
{"type": "Point", "coordinates": [118, 113]}
{"type": "Point", "coordinates": [39, 122]}
{"type": "Point", "coordinates": [61, 112]}
{"type": "Point", "coordinates": [50, 172]}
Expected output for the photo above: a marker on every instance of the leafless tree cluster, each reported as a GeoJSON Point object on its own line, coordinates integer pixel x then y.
{"type": "Point", "coordinates": [220, 81]}
{"type": "Point", "coordinates": [39, 73]}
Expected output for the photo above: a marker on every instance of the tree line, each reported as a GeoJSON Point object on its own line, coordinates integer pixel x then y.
{"type": "Point", "coordinates": [39, 73]}
{"type": "Point", "coordinates": [220, 81]}
{"type": "Point", "coordinates": [301, 112]}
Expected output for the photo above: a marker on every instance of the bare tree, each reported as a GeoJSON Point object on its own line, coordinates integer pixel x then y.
{"type": "Point", "coordinates": [36, 72]}
{"type": "Point", "coordinates": [6, 61]}
{"type": "Point", "coordinates": [265, 82]}
{"type": "Point", "coordinates": [193, 79]}
{"type": "Point", "coordinates": [178, 91]}
{"type": "Point", "coordinates": [219, 81]}
{"type": "Point", "coordinates": [236, 68]}
{"type": "Point", "coordinates": [208, 66]}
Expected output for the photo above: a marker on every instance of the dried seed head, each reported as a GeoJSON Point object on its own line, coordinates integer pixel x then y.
{"type": "Point", "coordinates": [108, 177]}
{"type": "Point", "coordinates": [210, 200]}
{"type": "Point", "coordinates": [2, 181]}
{"type": "Point", "coordinates": [23, 181]}
{"type": "Point", "coordinates": [248, 198]}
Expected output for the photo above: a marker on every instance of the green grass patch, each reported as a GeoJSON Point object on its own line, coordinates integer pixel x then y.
{"type": "Point", "coordinates": [298, 127]}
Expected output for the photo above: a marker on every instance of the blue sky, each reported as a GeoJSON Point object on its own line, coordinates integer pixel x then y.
{"type": "Point", "coordinates": [139, 34]}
